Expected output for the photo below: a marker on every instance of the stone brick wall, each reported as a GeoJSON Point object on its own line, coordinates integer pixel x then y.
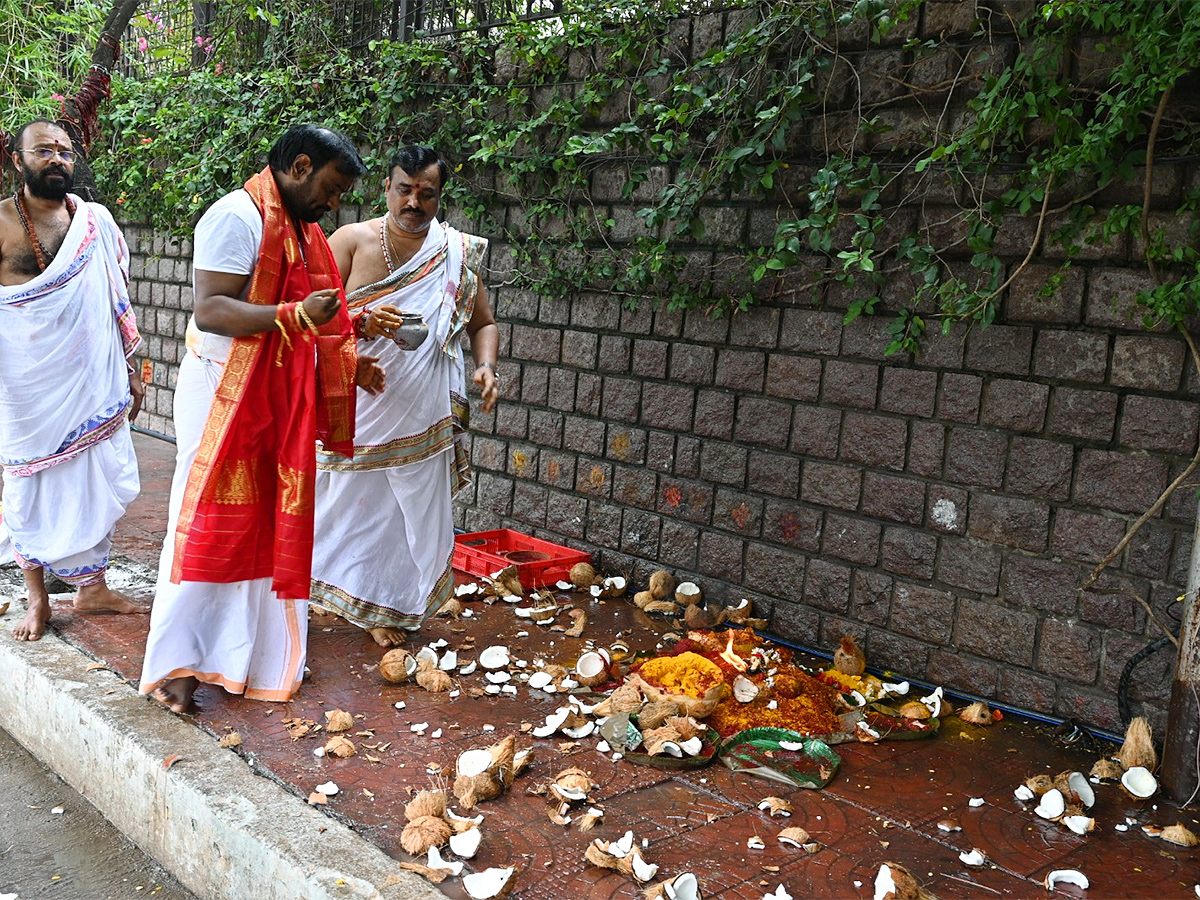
{"type": "Point", "coordinates": [942, 508]}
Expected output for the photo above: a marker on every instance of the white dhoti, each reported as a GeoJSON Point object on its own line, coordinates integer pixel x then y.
{"type": "Point", "coordinates": [69, 465]}
{"type": "Point", "coordinates": [240, 635]}
{"type": "Point", "coordinates": [385, 519]}
{"type": "Point", "coordinates": [63, 517]}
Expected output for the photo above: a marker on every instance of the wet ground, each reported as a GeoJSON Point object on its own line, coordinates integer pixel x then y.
{"type": "Point", "coordinates": [53, 843]}
{"type": "Point", "coordinates": [884, 803]}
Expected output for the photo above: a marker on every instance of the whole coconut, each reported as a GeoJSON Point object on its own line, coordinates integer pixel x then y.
{"type": "Point", "coordinates": [582, 575]}
{"type": "Point", "coordinates": [397, 666]}
{"type": "Point", "coordinates": [662, 584]}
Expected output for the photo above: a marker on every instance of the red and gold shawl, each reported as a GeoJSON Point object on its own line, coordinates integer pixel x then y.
{"type": "Point", "coordinates": [248, 509]}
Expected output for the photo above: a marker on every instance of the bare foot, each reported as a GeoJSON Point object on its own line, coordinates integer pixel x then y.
{"type": "Point", "coordinates": [388, 637]}
{"type": "Point", "coordinates": [32, 626]}
{"type": "Point", "coordinates": [100, 597]}
{"type": "Point", "coordinates": [176, 694]}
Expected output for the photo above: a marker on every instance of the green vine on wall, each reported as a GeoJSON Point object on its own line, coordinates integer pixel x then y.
{"type": "Point", "coordinates": [784, 108]}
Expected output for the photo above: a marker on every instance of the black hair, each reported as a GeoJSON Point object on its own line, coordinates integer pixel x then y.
{"type": "Point", "coordinates": [321, 145]}
{"type": "Point", "coordinates": [20, 133]}
{"type": "Point", "coordinates": [414, 159]}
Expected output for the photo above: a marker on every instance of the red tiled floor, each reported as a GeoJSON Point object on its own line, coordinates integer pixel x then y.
{"type": "Point", "coordinates": [883, 804]}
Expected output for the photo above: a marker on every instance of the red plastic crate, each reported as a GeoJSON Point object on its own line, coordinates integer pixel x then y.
{"type": "Point", "coordinates": [538, 562]}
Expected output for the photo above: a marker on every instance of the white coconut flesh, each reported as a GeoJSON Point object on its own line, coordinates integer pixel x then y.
{"type": "Point", "coordinates": [448, 661]}
{"type": "Point", "coordinates": [692, 746]}
{"type": "Point", "coordinates": [744, 689]}
{"type": "Point", "coordinates": [554, 722]}
{"type": "Point", "coordinates": [436, 862]}
{"type": "Point", "coordinates": [1139, 782]}
{"type": "Point", "coordinates": [899, 688]}
{"type": "Point", "coordinates": [539, 680]}
{"type": "Point", "coordinates": [688, 589]}
{"type": "Point", "coordinates": [487, 884]}
{"type": "Point", "coordinates": [452, 817]}
{"type": "Point", "coordinates": [1023, 792]}
{"type": "Point", "coordinates": [465, 843]}
{"type": "Point", "coordinates": [591, 665]}
{"type": "Point", "coordinates": [682, 887]}
{"type": "Point", "coordinates": [1052, 805]}
{"type": "Point", "coordinates": [1079, 784]}
{"type": "Point", "coordinates": [1079, 824]}
{"type": "Point", "coordinates": [428, 653]}
{"type": "Point", "coordinates": [642, 870]}
{"type": "Point", "coordinates": [971, 858]}
{"type": "Point", "coordinates": [934, 702]}
{"type": "Point", "coordinates": [469, 668]}
{"type": "Point", "coordinates": [494, 657]}
{"type": "Point", "coordinates": [473, 762]}
{"type": "Point", "coordinates": [466, 590]}
{"type": "Point", "coordinates": [1066, 876]}
{"type": "Point", "coordinates": [885, 884]}
{"type": "Point", "coordinates": [581, 732]}
{"type": "Point", "coordinates": [498, 677]}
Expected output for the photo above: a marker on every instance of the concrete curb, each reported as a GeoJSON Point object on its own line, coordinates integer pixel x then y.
{"type": "Point", "coordinates": [222, 830]}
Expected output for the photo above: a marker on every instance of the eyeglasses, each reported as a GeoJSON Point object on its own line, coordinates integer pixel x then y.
{"type": "Point", "coordinates": [46, 153]}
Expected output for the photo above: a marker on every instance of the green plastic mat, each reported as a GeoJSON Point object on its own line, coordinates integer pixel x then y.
{"type": "Point", "coordinates": [781, 755]}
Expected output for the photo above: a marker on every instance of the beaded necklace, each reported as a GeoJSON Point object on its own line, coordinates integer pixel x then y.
{"type": "Point", "coordinates": [40, 253]}
{"type": "Point", "coordinates": [385, 242]}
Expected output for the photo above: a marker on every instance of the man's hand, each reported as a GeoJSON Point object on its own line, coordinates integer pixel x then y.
{"type": "Point", "coordinates": [139, 392]}
{"type": "Point", "coordinates": [489, 386]}
{"type": "Point", "coordinates": [322, 305]}
{"type": "Point", "coordinates": [370, 376]}
{"type": "Point", "coordinates": [382, 320]}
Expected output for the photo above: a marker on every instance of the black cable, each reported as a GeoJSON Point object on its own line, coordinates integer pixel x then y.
{"type": "Point", "coordinates": [1132, 663]}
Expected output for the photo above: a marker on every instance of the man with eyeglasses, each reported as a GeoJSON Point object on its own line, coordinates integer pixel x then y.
{"type": "Point", "coordinates": [67, 388]}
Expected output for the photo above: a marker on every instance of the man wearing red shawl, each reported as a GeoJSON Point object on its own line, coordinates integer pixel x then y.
{"type": "Point", "coordinates": [271, 366]}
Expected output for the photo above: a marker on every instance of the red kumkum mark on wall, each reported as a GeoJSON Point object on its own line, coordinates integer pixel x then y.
{"type": "Point", "coordinates": [553, 470]}
{"type": "Point", "coordinates": [741, 514]}
{"type": "Point", "coordinates": [672, 497]}
{"type": "Point", "coordinates": [789, 527]}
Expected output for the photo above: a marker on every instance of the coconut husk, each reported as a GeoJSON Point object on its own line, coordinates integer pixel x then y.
{"type": "Point", "coordinates": [437, 876]}
{"type": "Point", "coordinates": [696, 708]}
{"type": "Point", "coordinates": [432, 678]}
{"type": "Point", "coordinates": [575, 779]}
{"type": "Point", "coordinates": [394, 666]}
{"type": "Point", "coordinates": [699, 617]}
{"type": "Point", "coordinates": [915, 709]}
{"type": "Point", "coordinates": [588, 820]}
{"type": "Point", "coordinates": [642, 598]}
{"type": "Point", "coordinates": [666, 607]}
{"type": "Point", "coordinates": [1138, 747]}
{"type": "Point", "coordinates": [1039, 784]}
{"type": "Point", "coordinates": [777, 806]}
{"type": "Point", "coordinates": [1107, 769]}
{"type": "Point", "coordinates": [1062, 782]}
{"type": "Point", "coordinates": [339, 746]}
{"type": "Point", "coordinates": [626, 698]}
{"type": "Point", "coordinates": [907, 886]}
{"type": "Point", "coordinates": [451, 608]}
{"type": "Point", "coordinates": [848, 658]}
{"type": "Point", "coordinates": [687, 727]}
{"type": "Point", "coordinates": [976, 714]}
{"type": "Point", "coordinates": [338, 720]}
{"type": "Point", "coordinates": [652, 715]}
{"type": "Point", "coordinates": [579, 623]}
{"type": "Point", "coordinates": [521, 761]}
{"type": "Point", "coordinates": [656, 737]}
{"type": "Point", "coordinates": [424, 832]}
{"type": "Point", "coordinates": [1180, 834]}
{"type": "Point", "coordinates": [598, 856]}
{"type": "Point", "coordinates": [511, 581]}
{"type": "Point", "coordinates": [662, 584]}
{"type": "Point", "coordinates": [502, 759]}
{"type": "Point", "coordinates": [426, 803]}
{"type": "Point", "coordinates": [582, 575]}
{"type": "Point", "coordinates": [473, 789]}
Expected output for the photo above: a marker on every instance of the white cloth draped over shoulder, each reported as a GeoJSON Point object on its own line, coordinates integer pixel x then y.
{"type": "Point", "coordinates": [65, 338]}
{"type": "Point", "coordinates": [384, 519]}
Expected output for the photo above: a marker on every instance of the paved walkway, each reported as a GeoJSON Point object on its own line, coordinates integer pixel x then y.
{"type": "Point", "coordinates": [885, 802]}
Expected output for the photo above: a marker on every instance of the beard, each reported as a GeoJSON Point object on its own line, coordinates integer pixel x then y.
{"type": "Point", "coordinates": [41, 186]}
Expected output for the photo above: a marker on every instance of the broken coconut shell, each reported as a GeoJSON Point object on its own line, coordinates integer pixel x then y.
{"type": "Point", "coordinates": [915, 709]}
{"type": "Point", "coordinates": [397, 666]}
{"type": "Point", "coordinates": [699, 617]}
{"type": "Point", "coordinates": [976, 714]}
{"type": "Point", "coordinates": [452, 608]}
{"type": "Point", "coordinates": [666, 607]}
{"type": "Point", "coordinates": [662, 584]}
{"type": "Point", "coordinates": [1107, 770]}
{"type": "Point", "coordinates": [339, 746]}
{"type": "Point", "coordinates": [688, 593]}
{"type": "Point", "coordinates": [682, 887]}
{"type": "Point", "coordinates": [426, 803]}
{"type": "Point", "coordinates": [655, 714]}
{"type": "Point", "coordinates": [1139, 782]}
{"type": "Point", "coordinates": [433, 679]}
{"type": "Point", "coordinates": [1138, 747]}
{"type": "Point", "coordinates": [894, 882]}
{"type": "Point", "coordinates": [424, 832]}
{"type": "Point", "coordinates": [1180, 834]}
{"type": "Point", "coordinates": [591, 668]}
{"type": "Point", "coordinates": [490, 884]}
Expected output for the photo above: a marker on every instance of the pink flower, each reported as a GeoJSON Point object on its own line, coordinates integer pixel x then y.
{"type": "Point", "coordinates": [57, 97]}
{"type": "Point", "coordinates": [142, 45]}
{"type": "Point", "coordinates": [220, 67]}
